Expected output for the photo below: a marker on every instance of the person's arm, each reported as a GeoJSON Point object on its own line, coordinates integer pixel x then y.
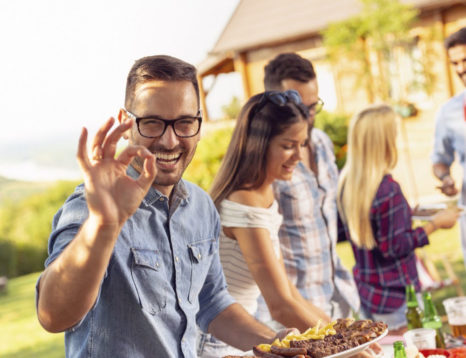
{"type": "Point", "coordinates": [444, 219]}
{"type": "Point", "coordinates": [443, 154]}
{"type": "Point", "coordinates": [394, 233]}
{"type": "Point", "coordinates": [442, 172]}
{"type": "Point", "coordinates": [69, 285]}
{"type": "Point", "coordinates": [238, 328]}
{"type": "Point", "coordinates": [319, 314]}
{"type": "Point", "coordinates": [285, 305]}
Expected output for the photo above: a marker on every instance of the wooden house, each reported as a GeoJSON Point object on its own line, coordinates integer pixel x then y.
{"type": "Point", "coordinates": [258, 30]}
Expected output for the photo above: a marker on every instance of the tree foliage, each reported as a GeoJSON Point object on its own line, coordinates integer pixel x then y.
{"type": "Point", "coordinates": [335, 125]}
{"type": "Point", "coordinates": [231, 110]}
{"type": "Point", "coordinates": [25, 227]}
{"type": "Point", "coordinates": [381, 27]}
{"type": "Point", "coordinates": [208, 157]}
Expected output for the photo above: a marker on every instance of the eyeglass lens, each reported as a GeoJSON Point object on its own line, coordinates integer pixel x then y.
{"type": "Point", "coordinates": [183, 127]}
{"type": "Point", "coordinates": [317, 106]}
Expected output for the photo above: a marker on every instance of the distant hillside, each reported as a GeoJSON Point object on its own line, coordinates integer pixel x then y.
{"type": "Point", "coordinates": [14, 190]}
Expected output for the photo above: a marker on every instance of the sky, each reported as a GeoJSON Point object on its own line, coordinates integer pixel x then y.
{"type": "Point", "coordinates": [64, 63]}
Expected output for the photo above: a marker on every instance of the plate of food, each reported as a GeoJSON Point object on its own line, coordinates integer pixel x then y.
{"type": "Point", "coordinates": [339, 339]}
{"type": "Point", "coordinates": [359, 348]}
{"type": "Point", "coordinates": [425, 212]}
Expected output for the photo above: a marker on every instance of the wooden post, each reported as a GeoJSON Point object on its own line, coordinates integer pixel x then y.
{"type": "Point", "coordinates": [451, 90]}
{"type": "Point", "coordinates": [240, 66]}
{"type": "Point", "coordinates": [202, 98]}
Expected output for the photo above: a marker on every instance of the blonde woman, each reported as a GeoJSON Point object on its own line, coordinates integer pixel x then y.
{"type": "Point", "coordinates": [267, 144]}
{"type": "Point", "coordinates": [376, 218]}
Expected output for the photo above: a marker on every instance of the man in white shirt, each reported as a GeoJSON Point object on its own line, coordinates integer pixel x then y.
{"type": "Point", "coordinates": [450, 129]}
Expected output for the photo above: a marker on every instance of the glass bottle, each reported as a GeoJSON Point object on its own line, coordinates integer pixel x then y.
{"type": "Point", "coordinates": [432, 320]}
{"type": "Point", "coordinates": [399, 350]}
{"type": "Point", "coordinates": [413, 312]}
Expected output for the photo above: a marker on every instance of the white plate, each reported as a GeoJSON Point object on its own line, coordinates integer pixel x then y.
{"type": "Point", "coordinates": [425, 217]}
{"type": "Point", "coordinates": [359, 348]}
{"type": "Point", "coordinates": [348, 352]}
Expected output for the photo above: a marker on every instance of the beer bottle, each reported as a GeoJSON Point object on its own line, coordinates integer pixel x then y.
{"type": "Point", "coordinates": [399, 350]}
{"type": "Point", "coordinates": [413, 312]}
{"type": "Point", "coordinates": [432, 320]}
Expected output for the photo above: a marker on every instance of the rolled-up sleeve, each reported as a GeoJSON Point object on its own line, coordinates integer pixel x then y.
{"type": "Point", "coordinates": [65, 225]}
{"type": "Point", "coordinates": [443, 149]}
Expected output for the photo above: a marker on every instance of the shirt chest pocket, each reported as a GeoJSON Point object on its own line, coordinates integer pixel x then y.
{"type": "Point", "coordinates": [200, 253]}
{"type": "Point", "coordinates": [149, 280]}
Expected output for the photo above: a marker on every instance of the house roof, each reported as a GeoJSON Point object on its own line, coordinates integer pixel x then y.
{"type": "Point", "coordinates": [256, 23]}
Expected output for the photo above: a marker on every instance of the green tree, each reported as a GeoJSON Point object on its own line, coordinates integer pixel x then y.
{"type": "Point", "coordinates": [381, 28]}
{"type": "Point", "coordinates": [26, 225]}
{"type": "Point", "coordinates": [208, 157]}
{"type": "Point", "coordinates": [231, 110]}
{"type": "Point", "coordinates": [335, 125]}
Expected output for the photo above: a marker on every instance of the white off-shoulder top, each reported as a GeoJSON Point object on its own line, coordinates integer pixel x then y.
{"type": "Point", "coordinates": [241, 284]}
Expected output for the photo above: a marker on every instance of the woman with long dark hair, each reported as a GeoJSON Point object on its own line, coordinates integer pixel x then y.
{"type": "Point", "coordinates": [266, 145]}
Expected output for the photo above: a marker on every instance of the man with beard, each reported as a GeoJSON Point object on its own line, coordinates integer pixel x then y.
{"type": "Point", "coordinates": [308, 235]}
{"type": "Point", "coordinates": [133, 264]}
{"type": "Point", "coordinates": [450, 129]}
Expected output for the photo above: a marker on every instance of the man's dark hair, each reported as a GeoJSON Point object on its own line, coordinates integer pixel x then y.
{"type": "Point", "coordinates": [456, 38]}
{"type": "Point", "coordinates": [162, 68]}
{"type": "Point", "coordinates": [284, 66]}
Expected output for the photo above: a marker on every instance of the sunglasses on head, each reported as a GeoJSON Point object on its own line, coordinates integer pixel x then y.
{"type": "Point", "coordinates": [281, 99]}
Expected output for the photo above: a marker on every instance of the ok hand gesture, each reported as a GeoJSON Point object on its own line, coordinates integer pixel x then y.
{"type": "Point", "coordinates": [112, 196]}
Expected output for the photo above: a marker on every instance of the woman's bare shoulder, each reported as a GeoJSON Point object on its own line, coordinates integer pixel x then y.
{"type": "Point", "coordinates": [245, 197]}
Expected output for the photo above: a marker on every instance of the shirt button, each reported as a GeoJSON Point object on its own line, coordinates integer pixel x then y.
{"type": "Point", "coordinates": [179, 300]}
{"type": "Point", "coordinates": [176, 259]}
{"type": "Point", "coordinates": [161, 199]}
{"type": "Point", "coordinates": [199, 256]}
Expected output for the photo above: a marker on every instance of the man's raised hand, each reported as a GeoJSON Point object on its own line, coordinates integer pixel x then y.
{"type": "Point", "coordinates": [112, 196]}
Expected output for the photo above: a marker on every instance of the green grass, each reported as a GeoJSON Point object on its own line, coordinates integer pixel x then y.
{"type": "Point", "coordinates": [441, 241]}
{"type": "Point", "coordinates": [21, 335]}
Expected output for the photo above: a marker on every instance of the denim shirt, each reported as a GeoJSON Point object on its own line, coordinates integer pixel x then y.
{"type": "Point", "coordinates": [163, 278]}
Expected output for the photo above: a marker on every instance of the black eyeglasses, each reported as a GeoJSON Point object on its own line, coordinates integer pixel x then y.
{"type": "Point", "coordinates": [154, 126]}
{"type": "Point", "coordinates": [280, 99]}
{"type": "Point", "coordinates": [316, 106]}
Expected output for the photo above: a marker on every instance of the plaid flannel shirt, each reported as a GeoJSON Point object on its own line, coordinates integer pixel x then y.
{"type": "Point", "coordinates": [308, 235]}
{"type": "Point", "coordinates": [382, 273]}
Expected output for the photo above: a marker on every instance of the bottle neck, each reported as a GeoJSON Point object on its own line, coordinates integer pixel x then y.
{"type": "Point", "coordinates": [429, 308]}
{"type": "Point", "coordinates": [399, 350]}
{"type": "Point", "coordinates": [411, 299]}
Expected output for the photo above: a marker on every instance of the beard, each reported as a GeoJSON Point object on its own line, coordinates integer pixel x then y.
{"type": "Point", "coordinates": [462, 77]}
